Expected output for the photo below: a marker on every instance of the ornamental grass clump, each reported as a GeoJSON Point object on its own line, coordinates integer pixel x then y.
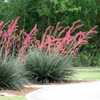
{"type": "Point", "coordinates": [43, 68]}
{"type": "Point", "coordinates": [11, 74]}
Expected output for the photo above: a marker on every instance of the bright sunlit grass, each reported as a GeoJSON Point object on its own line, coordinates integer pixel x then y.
{"type": "Point", "coordinates": [87, 73]}
{"type": "Point", "coordinates": [12, 98]}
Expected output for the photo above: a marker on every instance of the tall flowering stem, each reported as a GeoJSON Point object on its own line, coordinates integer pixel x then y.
{"type": "Point", "coordinates": [69, 43]}
{"type": "Point", "coordinates": [56, 39]}
{"type": "Point", "coordinates": [27, 41]}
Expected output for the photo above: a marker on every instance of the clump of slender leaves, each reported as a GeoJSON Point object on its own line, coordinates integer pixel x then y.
{"type": "Point", "coordinates": [44, 68]}
{"type": "Point", "coordinates": [11, 74]}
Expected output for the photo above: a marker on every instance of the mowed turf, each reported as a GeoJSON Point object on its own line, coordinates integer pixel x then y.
{"type": "Point", "coordinates": [86, 73]}
{"type": "Point", "coordinates": [12, 98]}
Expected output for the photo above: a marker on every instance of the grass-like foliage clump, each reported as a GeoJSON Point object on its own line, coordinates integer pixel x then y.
{"type": "Point", "coordinates": [44, 68]}
{"type": "Point", "coordinates": [11, 74]}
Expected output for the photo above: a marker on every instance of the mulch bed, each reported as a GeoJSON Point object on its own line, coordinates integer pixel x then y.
{"type": "Point", "coordinates": [21, 92]}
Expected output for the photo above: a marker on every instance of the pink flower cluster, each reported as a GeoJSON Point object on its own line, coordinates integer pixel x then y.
{"type": "Point", "coordinates": [6, 37]}
{"type": "Point", "coordinates": [58, 39]}
{"type": "Point", "coordinates": [68, 40]}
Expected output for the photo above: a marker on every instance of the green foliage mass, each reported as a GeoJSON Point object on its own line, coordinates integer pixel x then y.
{"type": "Point", "coordinates": [46, 12]}
{"type": "Point", "coordinates": [44, 68]}
{"type": "Point", "coordinates": [11, 74]}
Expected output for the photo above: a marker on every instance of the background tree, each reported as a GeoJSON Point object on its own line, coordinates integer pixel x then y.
{"type": "Point", "coordinates": [46, 12]}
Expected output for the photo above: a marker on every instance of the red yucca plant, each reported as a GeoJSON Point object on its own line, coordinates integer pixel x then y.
{"type": "Point", "coordinates": [68, 41]}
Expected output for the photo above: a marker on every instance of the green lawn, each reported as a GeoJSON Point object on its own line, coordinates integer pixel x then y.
{"type": "Point", "coordinates": [86, 73]}
{"type": "Point", "coordinates": [12, 98]}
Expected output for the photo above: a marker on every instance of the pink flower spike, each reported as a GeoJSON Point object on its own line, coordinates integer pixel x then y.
{"type": "Point", "coordinates": [82, 41]}
{"type": "Point", "coordinates": [27, 40]}
{"type": "Point", "coordinates": [68, 38]}
{"type": "Point", "coordinates": [1, 25]}
{"type": "Point", "coordinates": [80, 35]}
{"type": "Point", "coordinates": [5, 36]}
{"type": "Point", "coordinates": [92, 31]}
{"type": "Point", "coordinates": [12, 26]}
{"type": "Point", "coordinates": [34, 30]}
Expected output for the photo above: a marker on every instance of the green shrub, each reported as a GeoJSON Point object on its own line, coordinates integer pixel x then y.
{"type": "Point", "coordinates": [46, 12]}
{"type": "Point", "coordinates": [44, 68]}
{"type": "Point", "coordinates": [11, 76]}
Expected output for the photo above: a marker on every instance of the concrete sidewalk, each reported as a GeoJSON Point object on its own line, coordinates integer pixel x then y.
{"type": "Point", "coordinates": [74, 91]}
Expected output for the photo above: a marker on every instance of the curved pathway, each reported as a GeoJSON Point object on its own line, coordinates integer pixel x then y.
{"type": "Point", "coordinates": [74, 91]}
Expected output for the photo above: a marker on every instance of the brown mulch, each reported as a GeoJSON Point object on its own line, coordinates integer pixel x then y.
{"type": "Point", "coordinates": [24, 91]}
